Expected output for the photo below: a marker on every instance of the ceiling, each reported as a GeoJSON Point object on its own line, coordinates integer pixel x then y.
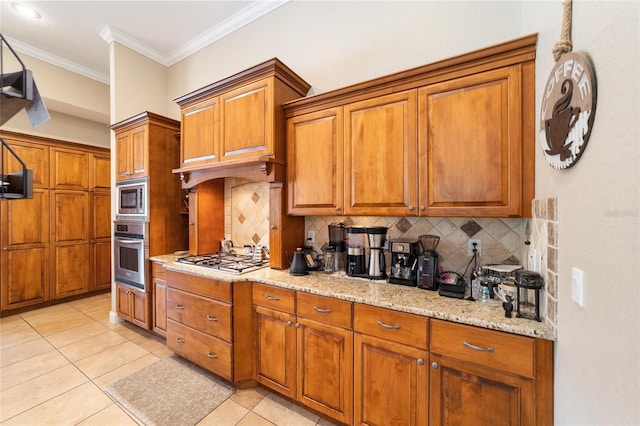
{"type": "Point", "coordinates": [75, 35]}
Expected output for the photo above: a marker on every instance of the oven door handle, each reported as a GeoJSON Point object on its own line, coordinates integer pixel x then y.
{"type": "Point", "coordinates": [128, 241]}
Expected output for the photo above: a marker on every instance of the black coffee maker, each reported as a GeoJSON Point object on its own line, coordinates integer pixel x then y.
{"type": "Point", "coordinates": [428, 262]}
{"type": "Point", "coordinates": [404, 261]}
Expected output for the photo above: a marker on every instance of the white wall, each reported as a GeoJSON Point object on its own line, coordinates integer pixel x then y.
{"type": "Point", "coordinates": [597, 371]}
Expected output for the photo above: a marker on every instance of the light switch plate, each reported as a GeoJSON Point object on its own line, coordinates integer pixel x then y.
{"type": "Point", "coordinates": [577, 286]}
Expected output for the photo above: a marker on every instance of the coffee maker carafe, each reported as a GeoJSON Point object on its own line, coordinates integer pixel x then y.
{"type": "Point", "coordinates": [428, 262]}
{"type": "Point", "coordinates": [356, 240]}
{"type": "Point", "coordinates": [404, 261]}
{"type": "Point", "coordinates": [377, 266]}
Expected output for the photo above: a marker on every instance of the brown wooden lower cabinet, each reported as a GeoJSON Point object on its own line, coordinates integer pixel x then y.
{"type": "Point", "coordinates": [159, 299]}
{"type": "Point", "coordinates": [132, 305]}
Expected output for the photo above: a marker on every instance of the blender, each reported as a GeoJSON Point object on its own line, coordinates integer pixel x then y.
{"type": "Point", "coordinates": [377, 266]}
{"type": "Point", "coordinates": [356, 241]}
{"type": "Point", "coordinates": [428, 262]}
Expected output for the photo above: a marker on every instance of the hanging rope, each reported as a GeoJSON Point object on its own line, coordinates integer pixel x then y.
{"type": "Point", "coordinates": [564, 45]}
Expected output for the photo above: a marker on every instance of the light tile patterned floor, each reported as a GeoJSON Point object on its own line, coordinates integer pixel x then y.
{"type": "Point", "coordinates": [56, 361]}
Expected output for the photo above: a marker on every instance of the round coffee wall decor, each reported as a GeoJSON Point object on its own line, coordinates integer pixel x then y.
{"type": "Point", "coordinates": [568, 110]}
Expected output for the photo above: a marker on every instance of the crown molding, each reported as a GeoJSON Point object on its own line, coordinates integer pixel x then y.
{"type": "Point", "coordinates": [57, 61]}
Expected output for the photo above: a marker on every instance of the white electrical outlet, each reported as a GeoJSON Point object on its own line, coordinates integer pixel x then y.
{"type": "Point", "coordinates": [311, 237]}
{"type": "Point", "coordinates": [577, 286]}
{"type": "Point", "coordinates": [478, 246]}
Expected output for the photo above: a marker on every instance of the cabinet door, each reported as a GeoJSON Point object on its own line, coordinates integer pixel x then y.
{"type": "Point", "coordinates": [99, 172]}
{"type": "Point", "coordinates": [25, 221]}
{"type": "Point", "coordinates": [100, 272]}
{"type": "Point", "coordinates": [124, 152]}
{"type": "Point", "coordinates": [461, 393]}
{"type": "Point", "coordinates": [380, 156]}
{"type": "Point", "coordinates": [206, 217]}
{"type": "Point", "coordinates": [315, 163]}
{"type": "Point", "coordinates": [69, 169]}
{"type": "Point", "coordinates": [247, 121]}
{"type": "Point", "coordinates": [24, 276]}
{"type": "Point", "coordinates": [325, 369]}
{"type": "Point", "coordinates": [123, 302]}
{"type": "Point", "coordinates": [140, 309]}
{"type": "Point", "coordinates": [139, 152]}
{"type": "Point", "coordinates": [100, 215]}
{"type": "Point", "coordinates": [390, 382]}
{"type": "Point", "coordinates": [159, 306]}
{"type": "Point", "coordinates": [70, 243]}
{"type": "Point", "coordinates": [200, 133]}
{"type": "Point", "coordinates": [470, 143]}
{"type": "Point", "coordinates": [275, 351]}
{"type": "Point", "coordinates": [34, 156]}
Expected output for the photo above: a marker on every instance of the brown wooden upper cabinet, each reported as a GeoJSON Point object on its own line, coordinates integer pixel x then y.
{"type": "Point", "coordinates": [69, 169]}
{"type": "Point", "coordinates": [238, 120]}
{"type": "Point", "coordinates": [470, 142]}
{"type": "Point", "coordinates": [132, 153]}
{"type": "Point", "coordinates": [453, 138]}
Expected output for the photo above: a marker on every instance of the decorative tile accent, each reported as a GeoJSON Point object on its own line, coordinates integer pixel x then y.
{"type": "Point", "coordinates": [471, 228]}
{"type": "Point", "coordinates": [403, 225]}
{"type": "Point", "coordinates": [255, 197]}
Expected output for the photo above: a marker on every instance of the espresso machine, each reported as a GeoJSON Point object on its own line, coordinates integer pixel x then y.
{"type": "Point", "coordinates": [428, 262]}
{"type": "Point", "coordinates": [377, 269]}
{"type": "Point", "coordinates": [404, 261]}
{"type": "Point", "coordinates": [356, 241]}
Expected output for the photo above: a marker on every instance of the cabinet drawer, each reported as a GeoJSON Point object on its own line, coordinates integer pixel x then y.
{"type": "Point", "coordinates": [272, 297]}
{"type": "Point", "coordinates": [324, 309]}
{"type": "Point", "coordinates": [496, 349]}
{"type": "Point", "coordinates": [397, 326]}
{"type": "Point", "coordinates": [201, 313]}
{"type": "Point", "coordinates": [199, 285]}
{"type": "Point", "coordinates": [158, 271]}
{"type": "Point", "coordinates": [206, 351]}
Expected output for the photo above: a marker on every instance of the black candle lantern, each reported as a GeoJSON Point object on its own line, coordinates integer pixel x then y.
{"type": "Point", "coordinates": [525, 282]}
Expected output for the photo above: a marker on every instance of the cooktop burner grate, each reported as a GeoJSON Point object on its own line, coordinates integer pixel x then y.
{"type": "Point", "coordinates": [226, 262]}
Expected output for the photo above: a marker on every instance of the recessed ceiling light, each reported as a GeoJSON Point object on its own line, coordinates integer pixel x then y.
{"type": "Point", "coordinates": [26, 10]}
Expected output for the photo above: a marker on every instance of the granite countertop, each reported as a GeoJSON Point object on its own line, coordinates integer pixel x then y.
{"type": "Point", "coordinates": [379, 293]}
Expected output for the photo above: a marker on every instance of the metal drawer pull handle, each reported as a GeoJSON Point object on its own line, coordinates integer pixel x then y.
{"type": "Point", "coordinates": [393, 327]}
{"type": "Point", "coordinates": [210, 318]}
{"type": "Point", "coordinates": [179, 340]}
{"type": "Point", "coordinates": [266, 296]}
{"type": "Point", "coordinates": [210, 355]}
{"type": "Point", "coordinates": [179, 306]}
{"type": "Point", "coordinates": [477, 348]}
{"type": "Point", "coordinates": [322, 311]}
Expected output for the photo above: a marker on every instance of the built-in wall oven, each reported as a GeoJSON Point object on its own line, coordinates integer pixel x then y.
{"type": "Point", "coordinates": [131, 252]}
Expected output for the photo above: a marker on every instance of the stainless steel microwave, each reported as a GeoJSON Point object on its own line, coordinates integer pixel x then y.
{"type": "Point", "coordinates": [132, 198]}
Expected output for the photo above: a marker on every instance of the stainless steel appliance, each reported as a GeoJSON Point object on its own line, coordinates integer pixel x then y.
{"type": "Point", "coordinates": [404, 261]}
{"type": "Point", "coordinates": [132, 199]}
{"type": "Point", "coordinates": [131, 252]}
{"type": "Point", "coordinates": [377, 266]}
{"type": "Point", "coordinates": [227, 262]}
{"type": "Point", "coordinates": [356, 241]}
{"type": "Point", "coordinates": [428, 262]}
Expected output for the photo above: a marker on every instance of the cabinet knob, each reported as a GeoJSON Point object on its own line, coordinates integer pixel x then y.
{"type": "Point", "coordinates": [420, 361]}
{"type": "Point", "coordinates": [412, 208]}
{"type": "Point", "coordinates": [435, 365]}
{"type": "Point", "coordinates": [273, 228]}
{"type": "Point", "coordinates": [289, 323]}
{"type": "Point", "coordinates": [422, 208]}
{"type": "Point", "coordinates": [337, 209]}
{"type": "Point", "coordinates": [297, 325]}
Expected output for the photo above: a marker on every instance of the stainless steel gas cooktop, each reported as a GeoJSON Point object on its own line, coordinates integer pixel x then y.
{"type": "Point", "coordinates": [226, 262]}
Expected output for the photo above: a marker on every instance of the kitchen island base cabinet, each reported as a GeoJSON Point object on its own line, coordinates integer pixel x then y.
{"type": "Point", "coordinates": [209, 323]}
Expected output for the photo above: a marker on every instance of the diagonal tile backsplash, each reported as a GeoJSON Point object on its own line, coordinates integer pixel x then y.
{"type": "Point", "coordinates": [246, 212]}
